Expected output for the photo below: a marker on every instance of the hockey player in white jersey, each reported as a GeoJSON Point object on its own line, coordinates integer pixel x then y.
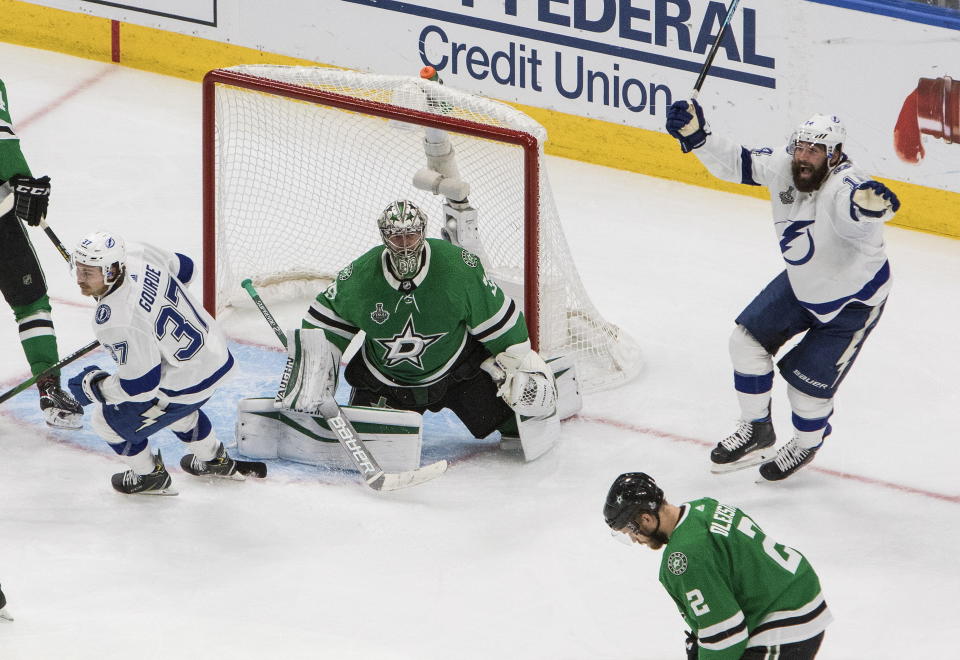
{"type": "Point", "coordinates": [170, 354]}
{"type": "Point", "coordinates": [828, 218]}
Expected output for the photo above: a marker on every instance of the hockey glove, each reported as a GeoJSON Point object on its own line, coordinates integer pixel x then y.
{"type": "Point", "coordinates": [309, 381]}
{"type": "Point", "coordinates": [691, 646]}
{"type": "Point", "coordinates": [688, 127]}
{"type": "Point", "coordinates": [872, 201]}
{"type": "Point", "coordinates": [523, 380]}
{"type": "Point", "coordinates": [30, 198]}
{"type": "Point", "coordinates": [84, 386]}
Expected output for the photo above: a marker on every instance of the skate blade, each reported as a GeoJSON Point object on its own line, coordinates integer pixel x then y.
{"type": "Point", "coordinates": [236, 476]}
{"type": "Point", "coordinates": [163, 491]}
{"type": "Point", "coordinates": [68, 424]}
{"type": "Point", "coordinates": [742, 464]}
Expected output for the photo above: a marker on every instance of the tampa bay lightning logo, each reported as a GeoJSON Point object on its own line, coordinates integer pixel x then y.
{"type": "Point", "coordinates": [408, 346]}
{"type": "Point", "coordinates": [102, 315]}
{"type": "Point", "coordinates": [797, 239]}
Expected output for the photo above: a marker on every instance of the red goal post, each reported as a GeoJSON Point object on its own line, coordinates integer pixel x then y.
{"type": "Point", "coordinates": [309, 153]}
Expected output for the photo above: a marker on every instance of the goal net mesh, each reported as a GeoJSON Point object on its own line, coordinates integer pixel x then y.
{"type": "Point", "coordinates": [298, 184]}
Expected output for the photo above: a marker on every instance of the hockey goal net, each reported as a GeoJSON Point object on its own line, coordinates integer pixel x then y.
{"type": "Point", "coordinates": [300, 161]}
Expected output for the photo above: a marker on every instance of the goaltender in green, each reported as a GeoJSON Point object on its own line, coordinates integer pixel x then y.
{"type": "Point", "coordinates": [439, 334]}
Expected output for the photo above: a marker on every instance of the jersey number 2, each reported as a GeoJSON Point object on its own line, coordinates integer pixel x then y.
{"type": "Point", "coordinates": [784, 555]}
{"type": "Point", "coordinates": [180, 327]}
{"type": "Point", "coordinates": [697, 604]}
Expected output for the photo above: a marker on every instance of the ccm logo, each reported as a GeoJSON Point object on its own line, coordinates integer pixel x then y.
{"type": "Point", "coordinates": [30, 190]}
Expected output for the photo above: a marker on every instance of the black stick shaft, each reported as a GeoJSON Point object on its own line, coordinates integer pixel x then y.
{"type": "Point", "coordinates": [62, 363]}
{"type": "Point", "coordinates": [713, 50]}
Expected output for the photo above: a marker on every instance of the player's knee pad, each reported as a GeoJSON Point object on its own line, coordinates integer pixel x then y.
{"type": "Point", "coordinates": [809, 407]}
{"type": "Point", "coordinates": [811, 417]}
{"type": "Point", "coordinates": [99, 425]}
{"type": "Point", "coordinates": [746, 353]}
{"type": "Point", "coordinates": [193, 427]}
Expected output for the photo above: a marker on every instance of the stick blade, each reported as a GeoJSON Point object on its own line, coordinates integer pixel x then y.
{"type": "Point", "coordinates": [398, 480]}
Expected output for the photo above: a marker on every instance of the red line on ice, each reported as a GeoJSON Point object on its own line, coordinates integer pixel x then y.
{"type": "Point", "coordinates": [63, 98]}
{"type": "Point", "coordinates": [833, 473]}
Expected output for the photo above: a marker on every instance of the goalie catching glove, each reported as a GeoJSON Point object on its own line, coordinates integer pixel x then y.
{"type": "Point", "coordinates": [310, 376]}
{"type": "Point", "coordinates": [524, 381]}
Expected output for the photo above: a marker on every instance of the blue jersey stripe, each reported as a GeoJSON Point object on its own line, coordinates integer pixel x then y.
{"type": "Point", "coordinates": [867, 292]}
{"type": "Point", "coordinates": [185, 272]}
{"type": "Point", "coordinates": [746, 167]}
{"type": "Point", "coordinates": [206, 383]}
{"type": "Point", "coordinates": [145, 383]}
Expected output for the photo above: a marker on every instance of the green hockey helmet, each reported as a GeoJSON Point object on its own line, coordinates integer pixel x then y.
{"type": "Point", "coordinates": [403, 228]}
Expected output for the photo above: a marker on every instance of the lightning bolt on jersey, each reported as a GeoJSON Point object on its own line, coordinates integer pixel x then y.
{"type": "Point", "coordinates": [164, 343]}
{"type": "Point", "coordinates": [832, 258]}
{"type": "Point", "coordinates": [416, 330]}
{"type": "Point", "coordinates": [735, 586]}
{"type": "Point", "coordinates": [11, 158]}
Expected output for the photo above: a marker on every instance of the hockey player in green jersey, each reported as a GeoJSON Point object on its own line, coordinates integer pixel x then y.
{"type": "Point", "coordinates": [23, 199]}
{"type": "Point", "coordinates": [439, 332]}
{"type": "Point", "coordinates": [742, 594]}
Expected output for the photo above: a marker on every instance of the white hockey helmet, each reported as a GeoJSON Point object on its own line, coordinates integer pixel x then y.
{"type": "Point", "coordinates": [104, 250]}
{"type": "Point", "coordinates": [403, 227]}
{"type": "Point", "coordinates": [820, 129]}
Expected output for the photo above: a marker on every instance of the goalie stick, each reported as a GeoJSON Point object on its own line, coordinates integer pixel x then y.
{"type": "Point", "coordinates": [713, 50]}
{"type": "Point", "coordinates": [373, 475]}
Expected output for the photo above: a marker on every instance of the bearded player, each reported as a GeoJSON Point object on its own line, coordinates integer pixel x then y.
{"type": "Point", "coordinates": [828, 219]}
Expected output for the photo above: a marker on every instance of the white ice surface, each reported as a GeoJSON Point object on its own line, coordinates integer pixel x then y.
{"type": "Point", "coordinates": [496, 559]}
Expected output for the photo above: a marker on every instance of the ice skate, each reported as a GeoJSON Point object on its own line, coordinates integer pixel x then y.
{"type": "Point", "coordinates": [157, 482]}
{"type": "Point", "coordinates": [60, 410]}
{"type": "Point", "coordinates": [4, 614]}
{"type": "Point", "coordinates": [790, 458]}
{"type": "Point", "coordinates": [743, 448]}
{"type": "Point", "coordinates": [221, 465]}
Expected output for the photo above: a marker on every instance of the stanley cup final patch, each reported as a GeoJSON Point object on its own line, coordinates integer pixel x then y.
{"type": "Point", "coordinates": [677, 563]}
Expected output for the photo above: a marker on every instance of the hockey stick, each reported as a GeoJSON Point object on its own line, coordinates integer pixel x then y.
{"type": "Point", "coordinates": [54, 239]}
{"type": "Point", "coordinates": [6, 192]}
{"type": "Point", "coordinates": [373, 474]}
{"type": "Point", "coordinates": [713, 50]}
{"type": "Point", "coordinates": [62, 363]}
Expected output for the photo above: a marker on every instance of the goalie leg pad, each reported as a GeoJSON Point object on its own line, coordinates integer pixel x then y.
{"type": "Point", "coordinates": [393, 437]}
{"type": "Point", "coordinates": [310, 376]}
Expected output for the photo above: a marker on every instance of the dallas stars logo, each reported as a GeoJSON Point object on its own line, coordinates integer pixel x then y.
{"type": "Point", "coordinates": [677, 563]}
{"type": "Point", "coordinates": [408, 346]}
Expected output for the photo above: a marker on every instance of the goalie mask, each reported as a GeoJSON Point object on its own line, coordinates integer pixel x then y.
{"type": "Point", "coordinates": [103, 250]}
{"type": "Point", "coordinates": [403, 228]}
{"type": "Point", "coordinates": [819, 129]}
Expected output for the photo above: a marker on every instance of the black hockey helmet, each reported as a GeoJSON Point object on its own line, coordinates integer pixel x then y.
{"type": "Point", "coordinates": [631, 494]}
